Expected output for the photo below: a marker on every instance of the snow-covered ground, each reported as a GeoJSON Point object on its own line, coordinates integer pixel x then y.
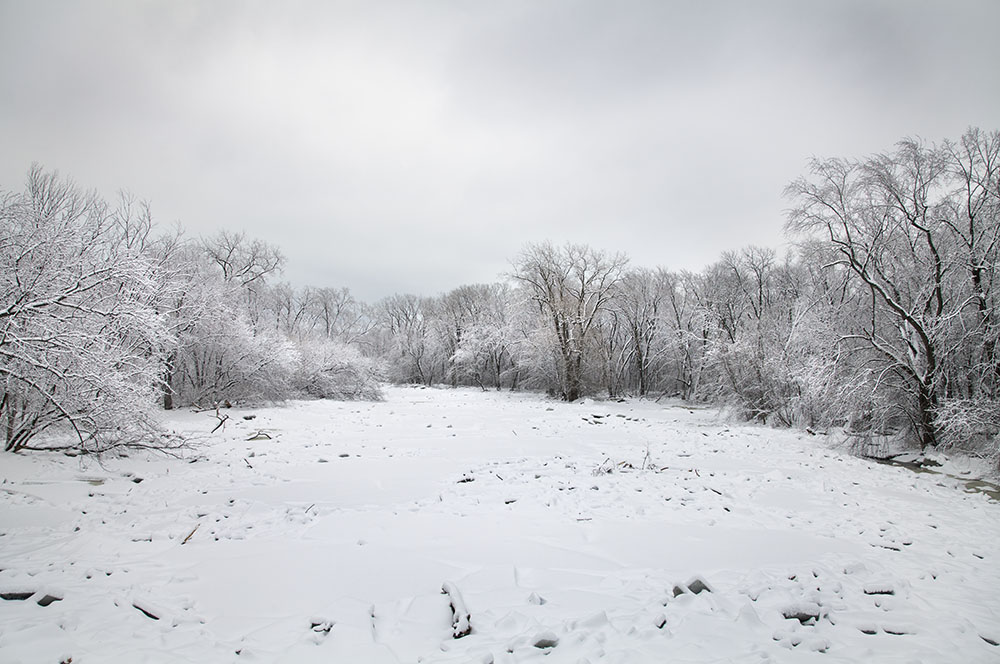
{"type": "Point", "coordinates": [587, 532]}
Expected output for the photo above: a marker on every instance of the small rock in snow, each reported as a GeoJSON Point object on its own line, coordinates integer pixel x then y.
{"type": "Point", "coordinates": [805, 612]}
{"type": "Point", "coordinates": [545, 640]}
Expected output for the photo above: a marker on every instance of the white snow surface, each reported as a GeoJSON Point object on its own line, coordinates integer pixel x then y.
{"type": "Point", "coordinates": [573, 533]}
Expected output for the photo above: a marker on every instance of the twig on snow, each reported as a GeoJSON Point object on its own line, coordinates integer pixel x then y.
{"type": "Point", "coordinates": [190, 534]}
{"type": "Point", "coordinates": [222, 420]}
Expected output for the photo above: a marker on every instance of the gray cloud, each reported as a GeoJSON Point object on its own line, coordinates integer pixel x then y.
{"type": "Point", "coordinates": [399, 146]}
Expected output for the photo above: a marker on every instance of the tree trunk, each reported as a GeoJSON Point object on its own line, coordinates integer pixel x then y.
{"type": "Point", "coordinates": [573, 378]}
{"type": "Point", "coordinates": [926, 405]}
{"type": "Point", "coordinates": [168, 375]}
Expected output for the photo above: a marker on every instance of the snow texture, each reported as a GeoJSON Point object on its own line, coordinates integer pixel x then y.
{"type": "Point", "coordinates": [666, 534]}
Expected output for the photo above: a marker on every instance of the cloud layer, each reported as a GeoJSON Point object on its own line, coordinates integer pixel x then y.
{"type": "Point", "coordinates": [400, 146]}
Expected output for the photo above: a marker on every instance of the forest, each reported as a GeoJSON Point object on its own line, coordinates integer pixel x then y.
{"type": "Point", "coordinates": [882, 321]}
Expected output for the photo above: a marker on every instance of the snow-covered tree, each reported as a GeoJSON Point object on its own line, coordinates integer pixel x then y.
{"type": "Point", "coordinates": [917, 231]}
{"type": "Point", "coordinates": [483, 352]}
{"type": "Point", "coordinates": [572, 286]}
{"type": "Point", "coordinates": [81, 341]}
{"type": "Point", "coordinates": [325, 326]}
{"type": "Point", "coordinates": [225, 351]}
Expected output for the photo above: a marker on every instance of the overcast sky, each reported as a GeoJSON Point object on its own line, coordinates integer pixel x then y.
{"type": "Point", "coordinates": [417, 146]}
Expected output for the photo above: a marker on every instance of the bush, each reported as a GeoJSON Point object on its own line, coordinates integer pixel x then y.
{"type": "Point", "coordinates": [328, 369]}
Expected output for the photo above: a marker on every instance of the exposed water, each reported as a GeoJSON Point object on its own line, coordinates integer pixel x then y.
{"type": "Point", "coordinates": [981, 486]}
{"type": "Point", "coordinates": [991, 490]}
{"type": "Point", "coordinates": [93, 481]}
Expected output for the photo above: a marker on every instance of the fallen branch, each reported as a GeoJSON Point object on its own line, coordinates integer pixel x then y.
{"type": "Point", "coordinates": [460, 614]}
{"type": "Point", "coordinates": [145, 611]}
{"type": "Point", "coordinates": [190, 535]}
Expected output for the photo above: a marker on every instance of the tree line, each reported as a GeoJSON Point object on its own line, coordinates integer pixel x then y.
{"type": "Point", "coordinates": [102, 317]}
{"type": "Point", "coordinates": [881, 321]}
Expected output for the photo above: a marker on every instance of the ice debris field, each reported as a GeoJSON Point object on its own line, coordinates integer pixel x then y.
{"type": "Point", "coordinates": [460, 526]}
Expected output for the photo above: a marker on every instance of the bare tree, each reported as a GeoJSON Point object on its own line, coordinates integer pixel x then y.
{"type": "Point", "coordinates": [338, 315]}
{"type": "Point", "coordinates": [571, 285]}
{"type": "Point", "coordinates": [690, 323]}
{"type": "Point", "coordinates": [408, 343]}
{"type": "Point", "coordinates": [972, 213]}
{"type": "Point", "coordinates": [242, 261]}
{"type": "Point", "coordinates": [245, 264]}
{"type": "Point", "coordinates": [290, 308]}
{"type": "Point", "coordinates": [641, 313]}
